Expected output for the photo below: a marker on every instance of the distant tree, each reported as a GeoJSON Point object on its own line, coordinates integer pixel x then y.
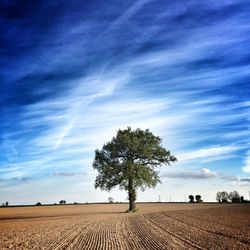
{"type": "Point", "coordinates": [129, 161]}
{"type": "Point", "coordinates": [110, 199]}
{"type": "Point", "coordinates": [191, 198]}
{"type": "Point", "coordinates": [62, 202]}
{"type": "Point", "coordinates": [242, 199]}
{"type": "Point", "coordinates": [198, 198]}
{"type": "Point", "coordinates": [224, 196]}
{"type": "Point", "coordinates": [219, 197]}
{"type": "Point", "coordinates": [38, 204]}
{"type": "Point", "coordinates": [234, 197]}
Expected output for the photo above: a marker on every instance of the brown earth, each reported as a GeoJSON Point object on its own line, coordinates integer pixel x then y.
{"type": "Point", "coordinates": [153, 226]}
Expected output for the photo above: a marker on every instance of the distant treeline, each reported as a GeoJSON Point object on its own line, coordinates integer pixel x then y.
{"type": "Point", "coordinates": [233, 197]}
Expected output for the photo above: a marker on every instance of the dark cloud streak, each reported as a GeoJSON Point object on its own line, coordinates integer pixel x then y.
{"type": "Point", "coordinates": [67, 174]}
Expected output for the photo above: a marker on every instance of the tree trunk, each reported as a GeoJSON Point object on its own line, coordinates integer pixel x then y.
{"type": "Point", "coordinates": [131, 195]}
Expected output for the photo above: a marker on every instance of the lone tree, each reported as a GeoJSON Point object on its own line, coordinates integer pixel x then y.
{"type": "Point", "coordinates": [129, 161]}
{"type": "Point", "coordinates": [198, 198]}
{"type": "Point", "coordinates": [62, 202]}
{"type": "Point", "coordinates": [110, 199]}
{"type": "Point", "coordinates": [219, 197]}
{"type": "Point", "coordinates": [191, 198]}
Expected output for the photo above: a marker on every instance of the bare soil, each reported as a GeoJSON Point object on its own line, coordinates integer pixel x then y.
{"type": "Point", "coordinates": [153, 226]}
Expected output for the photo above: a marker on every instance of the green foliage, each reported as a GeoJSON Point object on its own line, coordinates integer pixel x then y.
{"type": "Point", "coordinates": [129, 161]}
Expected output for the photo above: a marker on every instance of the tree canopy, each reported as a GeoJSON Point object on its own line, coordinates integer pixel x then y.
{"type": "Point", "coordinates": [222, 196]}
{"type": "Point", "coordinates": [129, 161]}
{"type": "Point", "coordinates": [191, 198]}
{"type": "Point", "coordinates": [234, 197]}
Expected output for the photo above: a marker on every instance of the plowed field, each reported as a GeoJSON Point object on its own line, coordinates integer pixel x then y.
{"type": "Point", "coordinates": [154, 226]}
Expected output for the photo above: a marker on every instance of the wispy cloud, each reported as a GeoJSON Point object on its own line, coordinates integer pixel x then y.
{"type": "Point", "coordinates": [71, 82]}
{"type": "Point", "coordinates": [246, 167]}
{"type": "Point", "coordinates": [132, 10]}
{"type": "Point", "coordinates": [210, 154]}
{"type": "Point", "coordinates": [65, 131]}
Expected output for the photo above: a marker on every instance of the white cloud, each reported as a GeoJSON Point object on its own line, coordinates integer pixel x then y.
{"type": "Point", "coordinates": [246, 169]}
{"type": "Point", "coordinates": [243, 181]}
{"type": "Point", "coordinates": [203, 173]}
{"type": "Point", "coordinates": [236, 180]}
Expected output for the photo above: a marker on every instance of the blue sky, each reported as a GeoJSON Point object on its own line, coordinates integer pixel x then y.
{"type": "Point", "coordinates": [74, 72]}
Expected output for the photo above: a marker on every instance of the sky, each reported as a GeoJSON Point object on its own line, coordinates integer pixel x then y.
{"type": "Point", "coordinates": [74, 72]}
